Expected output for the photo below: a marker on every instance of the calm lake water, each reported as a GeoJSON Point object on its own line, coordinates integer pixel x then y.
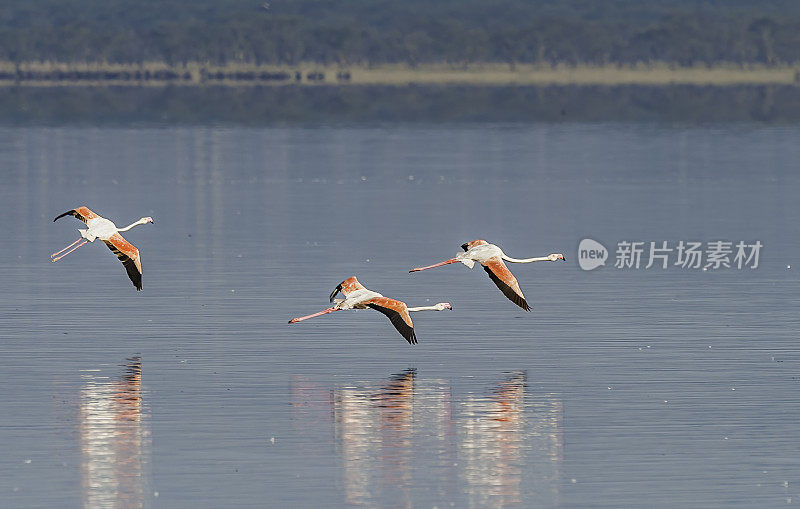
{"type": "Point", "coordinates": [623, 388]}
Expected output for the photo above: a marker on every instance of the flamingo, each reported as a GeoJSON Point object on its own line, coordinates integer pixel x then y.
{"type": "Point", "coordinates": [105, 230]}
{"type": "Point", "coordinates": [491, 258]}
{"type": "Point", "coordinates": [359, 297]}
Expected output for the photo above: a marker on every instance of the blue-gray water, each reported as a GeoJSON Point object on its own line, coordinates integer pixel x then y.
{"type": "Point", "coordinates": [656, 388]}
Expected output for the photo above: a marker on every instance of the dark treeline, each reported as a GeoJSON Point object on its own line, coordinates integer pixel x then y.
{"type": "Point", "coordinates": [684, 32]}
{"type": "Point", "coordinates": [263, 106]}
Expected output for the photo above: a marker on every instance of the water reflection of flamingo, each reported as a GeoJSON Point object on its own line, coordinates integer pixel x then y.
{"type": "Point", "coordinates": [495, 449]}
{"type": "Point", "coordinates": [105, 230]}
{"type": "Point", "coordinates": [492, 445]}
{"type": "Point", "coordinates": [495, 434]}
{"type": "Point", "coordinates": [376, 421]}
{"type": "Point", "coordinates": [359, 297]}
{"type": "Point", "coordinates": [491, 258]}
{"type": "Point", "coordinates": [395, 402]}
{"type": "Point", "coordinates": [113, 439]}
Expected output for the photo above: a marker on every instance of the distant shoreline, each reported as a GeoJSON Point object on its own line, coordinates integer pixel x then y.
{"type": "Point", "coordinates": [50, 74]}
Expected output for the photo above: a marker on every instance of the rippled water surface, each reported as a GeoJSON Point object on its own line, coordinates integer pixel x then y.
{"type": "Point", "coordinates": [657, 388]}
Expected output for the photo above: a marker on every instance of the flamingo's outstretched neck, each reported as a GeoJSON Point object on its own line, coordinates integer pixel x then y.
{"type": "Point", "coordinates": [525, 260]}
{"type": "Point", "coordinates": [549, 258]}
{"type": "Point", "coordinates": [323, 312]}
{"type": "Point", "coordinates": [143, 220]}
{"type": "Point", "coordinates": [446, 262]}
{"type": "Point", "coordinates": [436, 307]}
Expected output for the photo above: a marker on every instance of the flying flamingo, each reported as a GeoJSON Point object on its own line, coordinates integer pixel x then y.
{"type": "Point", "coordinates": [359, 297]}
{"type": "Point", "coordinates": [105, 230]}
{"type": "Point", "coordinates": [491, 258]}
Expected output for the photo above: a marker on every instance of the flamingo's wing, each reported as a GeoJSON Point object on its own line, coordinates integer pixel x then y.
{"type": "Point", "coordinates": [129, 256]}
{"type": "Point", "coordinates": [397, 312]}
{"type": "Point", "coordinates": [469, 245]}
{"type": "Point", "coordinates": [505, 281]}
{"type": "Point", "coordinates": [347, 287]}
{"type": "Point", "coordinates": [82, 213]}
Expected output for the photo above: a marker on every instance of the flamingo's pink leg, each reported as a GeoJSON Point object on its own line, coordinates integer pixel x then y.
{"type": "Point", "coordinates": [446, 262]}
{"type": "Point", "coordinates": [71, 250]}
{"type": "Point", "coordinates": [323, 312]}
{"type": "Point", "coordinates": [59, 252]}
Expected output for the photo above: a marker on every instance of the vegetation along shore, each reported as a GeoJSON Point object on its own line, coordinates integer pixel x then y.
{"type": "Point", "coordinates": [478, 74]}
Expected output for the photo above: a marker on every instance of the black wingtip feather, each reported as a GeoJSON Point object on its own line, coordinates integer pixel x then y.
{"type": "Point", "coordinates": [398, 322]}
{"type": "Point", "coordinates": [335, 291]}
{"type": "Point", "coordinates": [67, 213]}
{"type": "Point", "coordinates": [130, 266]}
{"type": "Point", "coordinates": [402, 327]}
{"type": "Point", "coordinates": [136, 277]}
{"type": "Point", "coordinates": [133, 272]}
{"type": "Point", "coordinates": [507, 290]}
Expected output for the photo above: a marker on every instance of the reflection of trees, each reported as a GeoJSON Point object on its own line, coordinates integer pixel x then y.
{"type": "Point", "coordinates": [113, 439]}
{"type": "Point", "coordinates": [268, 105]}
{"type": "Point", "coordinates": [407, 434]}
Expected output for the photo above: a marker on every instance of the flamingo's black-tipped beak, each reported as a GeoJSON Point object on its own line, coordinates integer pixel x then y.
{"type": "Point", "coordinates": [563, 258]}
{"type": "Point", "coordinates": [335, 291]}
